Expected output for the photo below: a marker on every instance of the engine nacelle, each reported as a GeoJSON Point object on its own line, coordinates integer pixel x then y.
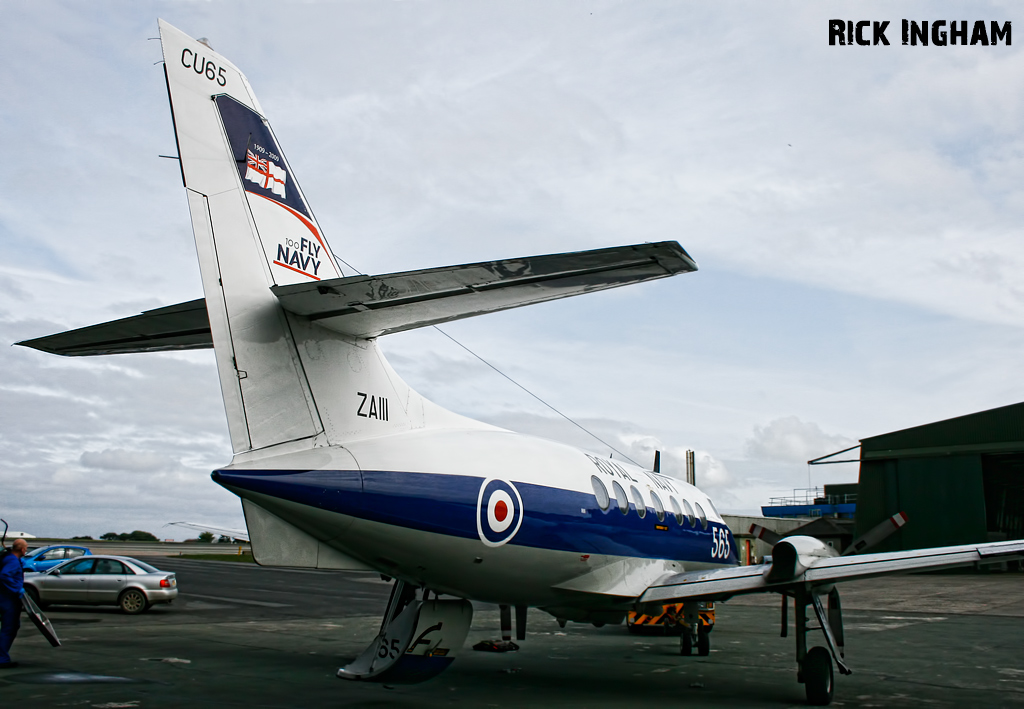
{"type": "Point", "coordinates": [794, 555]}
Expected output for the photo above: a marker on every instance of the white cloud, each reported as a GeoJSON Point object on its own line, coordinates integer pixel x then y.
{"type": "Point", "coordinates": [130, 461]}
{"type": "Point", "coordinates": [790, 440]}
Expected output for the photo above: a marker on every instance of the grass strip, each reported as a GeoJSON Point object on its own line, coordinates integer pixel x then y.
{"type": "Point", "coordinates": [245, 558]}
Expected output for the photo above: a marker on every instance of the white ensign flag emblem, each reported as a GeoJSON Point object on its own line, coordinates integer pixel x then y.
{"type": "Point", "coordinates": [265, 173]}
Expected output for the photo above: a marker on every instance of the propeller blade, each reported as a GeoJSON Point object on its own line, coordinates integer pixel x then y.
{"type": "Point", "coordinates": [765, 535]}
{"type": "Point", "coordinates": [877, 533]}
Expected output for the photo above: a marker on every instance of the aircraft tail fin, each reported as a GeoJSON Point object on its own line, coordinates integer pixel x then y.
{"type": "Point", "coordinates": [245, 205]}
{"type": "Point", "coordinates": [285, 379]}
{"type": "Point", "coordinates": [226, 145]}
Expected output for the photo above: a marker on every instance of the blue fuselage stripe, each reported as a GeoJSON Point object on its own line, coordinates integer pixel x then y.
{"type": "Point", "coordinates": [556, 519]}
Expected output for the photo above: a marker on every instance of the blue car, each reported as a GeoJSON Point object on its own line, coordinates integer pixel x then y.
{"type": "Point", "coordinates": [47, 557]}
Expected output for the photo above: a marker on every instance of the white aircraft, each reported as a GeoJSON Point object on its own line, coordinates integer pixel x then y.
{"type": "Point", "coordinates": [341, 465]}
{"type": "Point", "coordinates": [233, 534]}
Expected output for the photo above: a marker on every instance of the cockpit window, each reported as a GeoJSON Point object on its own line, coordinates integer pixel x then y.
{"type": "Point", "coordinates": [659, 509]}
{"type": "Point", "coordinates": [620, 498]}
{"type": "Point", "coordinates": [638, 500]}
{"type": "Point", "coordinates": [700, 515]}
{"type": "Point", "coordinates": [714, 509]}
{"type": "Point", "coordinates": [600, 492]}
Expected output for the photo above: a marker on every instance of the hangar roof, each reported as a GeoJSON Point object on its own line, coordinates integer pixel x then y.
{"type": "Point", "coordinates": [994, 431]}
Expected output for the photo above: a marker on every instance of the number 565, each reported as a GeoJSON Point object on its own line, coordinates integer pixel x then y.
{"type": "Point", "coordinates": [720, 547]}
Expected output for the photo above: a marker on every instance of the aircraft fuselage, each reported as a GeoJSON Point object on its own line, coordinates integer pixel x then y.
{"type": "Point", "coordinates": [491, 515]}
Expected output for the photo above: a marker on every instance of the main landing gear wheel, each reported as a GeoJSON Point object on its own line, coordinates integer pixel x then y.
{"type": "Point", "coordinates": [817, 674]}
{"type": "Point", "coordinates": [703, 644]}
{"type": "Point", "coordinates": [133, 602]}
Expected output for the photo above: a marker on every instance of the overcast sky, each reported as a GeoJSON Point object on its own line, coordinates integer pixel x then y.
{"type": "Point", "coordinates": [855, 211]}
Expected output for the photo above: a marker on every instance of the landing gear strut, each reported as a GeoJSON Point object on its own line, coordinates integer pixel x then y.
{"type": "Point", "coordinates": [814, 666]}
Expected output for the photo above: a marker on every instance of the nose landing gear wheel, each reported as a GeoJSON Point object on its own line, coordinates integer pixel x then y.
{"type": "Point", "coordinates": [818, 678]}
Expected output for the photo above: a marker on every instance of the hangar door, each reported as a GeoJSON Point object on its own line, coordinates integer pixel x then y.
{"type": "Point", "coordinates": [942, 496]}
{"type": "Point", "coordinates": [1004, 495]}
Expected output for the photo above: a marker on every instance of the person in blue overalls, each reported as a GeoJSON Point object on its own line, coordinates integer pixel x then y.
{"type": "Point", "coordinates": [12, 579]}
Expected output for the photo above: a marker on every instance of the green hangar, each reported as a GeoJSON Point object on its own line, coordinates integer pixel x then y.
{"type": "Point", "coordinates": [960, 481]}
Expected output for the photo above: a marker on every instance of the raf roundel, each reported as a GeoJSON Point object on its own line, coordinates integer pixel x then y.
{"type": "Point", "coordinates": [499, 512]}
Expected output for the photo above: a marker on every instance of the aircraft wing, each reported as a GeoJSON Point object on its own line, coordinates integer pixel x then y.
{"type": "Point", "coordinates": [723, 583]}
{"type": "Point", "coordinates": [184, 326]}
{"type": "Point", "coordinates": [368, 306]}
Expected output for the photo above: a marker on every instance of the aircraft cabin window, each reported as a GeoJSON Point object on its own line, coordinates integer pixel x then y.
{"type": "Point", "coordinates": [600, 492]}
{"type": "Point", "coordinates": [703, 517]}
{"type": "Point", "coordinates": [659, 509]}
{"type": "Point", "coordinates": [620, 498]}
{"type": "Point", "coordinates": [638, 500]}
{"type": "Point", "coordinates": [689, 511]}
{"type": "Point", "coordinates": [676, 510]}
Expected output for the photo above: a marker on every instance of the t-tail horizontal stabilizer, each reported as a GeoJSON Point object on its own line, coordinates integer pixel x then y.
{"type": "Point", "coordinates": [368, 306]}
{"type": "Point", "coordinates": [184, 326]}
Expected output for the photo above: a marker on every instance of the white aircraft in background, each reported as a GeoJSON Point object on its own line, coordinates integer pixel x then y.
{"type": "Point", "coordinates": [235, 535]}
{"type": "Point", "coordinates": [341, 465]}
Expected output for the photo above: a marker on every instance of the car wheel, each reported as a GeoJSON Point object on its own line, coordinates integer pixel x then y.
{"type": "Point", "coordinates": [133, 601]}
{"type": "Point", "coordinates": [34, 593]}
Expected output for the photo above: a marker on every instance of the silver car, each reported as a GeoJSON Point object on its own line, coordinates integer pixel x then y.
{"type": "Point", "coordinates": [103, 580]}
